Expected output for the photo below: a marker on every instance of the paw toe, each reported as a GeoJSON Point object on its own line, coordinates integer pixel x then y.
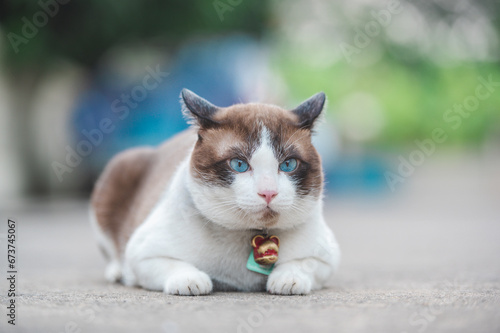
{"type": "Point", "coordinates": [189, 284]}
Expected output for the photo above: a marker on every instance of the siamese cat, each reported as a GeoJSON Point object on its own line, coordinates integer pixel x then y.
{"type": "Point", "coordinates": [180, 218]}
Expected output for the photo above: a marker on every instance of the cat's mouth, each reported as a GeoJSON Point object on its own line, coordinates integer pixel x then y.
{"type": "Point", "coordinates": [269, 216]}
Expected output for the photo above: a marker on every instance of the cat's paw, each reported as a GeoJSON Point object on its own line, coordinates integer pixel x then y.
{"type": "Point", "coordinates": [292, 282]}
{"type": "Point", "coordinates": [113, 272]}
{"type": "Point", "coordinates": [188, 283]}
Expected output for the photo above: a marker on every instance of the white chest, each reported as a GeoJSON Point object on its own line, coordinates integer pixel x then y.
{"type": "Point", "coordinates": [223, 256]}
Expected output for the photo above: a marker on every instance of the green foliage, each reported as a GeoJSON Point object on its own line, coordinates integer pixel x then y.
{"type": "Point", "coordinates": [413, 96]}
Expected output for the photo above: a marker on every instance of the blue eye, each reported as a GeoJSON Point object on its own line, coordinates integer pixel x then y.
{"type": "Point", "coordinates": [238, 165]}
{"type": "Point", "coordinates": [288, 165]}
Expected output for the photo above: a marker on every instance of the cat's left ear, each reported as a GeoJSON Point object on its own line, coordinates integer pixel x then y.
{"type": "Point", "coordinates": [198, 110]}
{"type": "Point", "coordinates": [309, 110]}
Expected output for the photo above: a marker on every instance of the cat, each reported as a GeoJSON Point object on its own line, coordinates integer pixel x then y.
{"type": "Point", "coordinates": [180, 218]}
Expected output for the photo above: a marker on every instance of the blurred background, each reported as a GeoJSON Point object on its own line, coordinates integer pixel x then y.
{"type": "Point", "coordinates": [83, 80]}
{"type": "Point", "coordinates": [410, 144]}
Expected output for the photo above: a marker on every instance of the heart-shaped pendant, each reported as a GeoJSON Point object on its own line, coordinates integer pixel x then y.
{"type": "Point", "coordinates": [265, 249]}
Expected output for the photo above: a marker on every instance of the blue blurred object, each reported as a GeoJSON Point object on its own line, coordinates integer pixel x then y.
{"type": "Point", "coordinates": [210, 68]}
{"type": "Point", "coordinates": [352, 174]}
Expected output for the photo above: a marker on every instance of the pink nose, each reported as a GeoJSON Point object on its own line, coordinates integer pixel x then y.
{"type": "Point", "coordinates": [268, 195]}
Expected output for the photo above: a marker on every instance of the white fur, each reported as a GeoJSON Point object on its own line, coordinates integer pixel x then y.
{"type": "Point", "coordinates": [197, 234]}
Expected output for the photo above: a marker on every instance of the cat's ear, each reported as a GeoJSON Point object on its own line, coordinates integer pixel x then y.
{"type": "Point", "coordinates": [309, 110]}
{"type": "Point", "coordinates": [197, 110]}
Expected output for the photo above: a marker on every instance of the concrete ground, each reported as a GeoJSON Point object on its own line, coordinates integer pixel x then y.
{"type": "Point", "coordinates": [423, 259]}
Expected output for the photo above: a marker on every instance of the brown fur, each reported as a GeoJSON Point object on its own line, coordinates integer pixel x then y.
{"type": "Point", "coordinates": [132, 183]}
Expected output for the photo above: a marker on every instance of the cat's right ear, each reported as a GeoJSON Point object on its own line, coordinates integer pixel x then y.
{"type": "Point", "coordinates": [197, 110]}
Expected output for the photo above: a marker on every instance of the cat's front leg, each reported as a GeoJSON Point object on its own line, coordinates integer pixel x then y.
{"type": "Point", "coordinates": [172, 276]}
{"type": "Point", "coordinates": [298, 277]}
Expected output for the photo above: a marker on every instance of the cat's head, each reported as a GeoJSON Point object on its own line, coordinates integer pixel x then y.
{"type": "Point", "coordinates": [254, 165]}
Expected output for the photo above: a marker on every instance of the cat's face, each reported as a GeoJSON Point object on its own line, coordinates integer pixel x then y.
{"type": "Point", "coordinates": [253, 165]}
